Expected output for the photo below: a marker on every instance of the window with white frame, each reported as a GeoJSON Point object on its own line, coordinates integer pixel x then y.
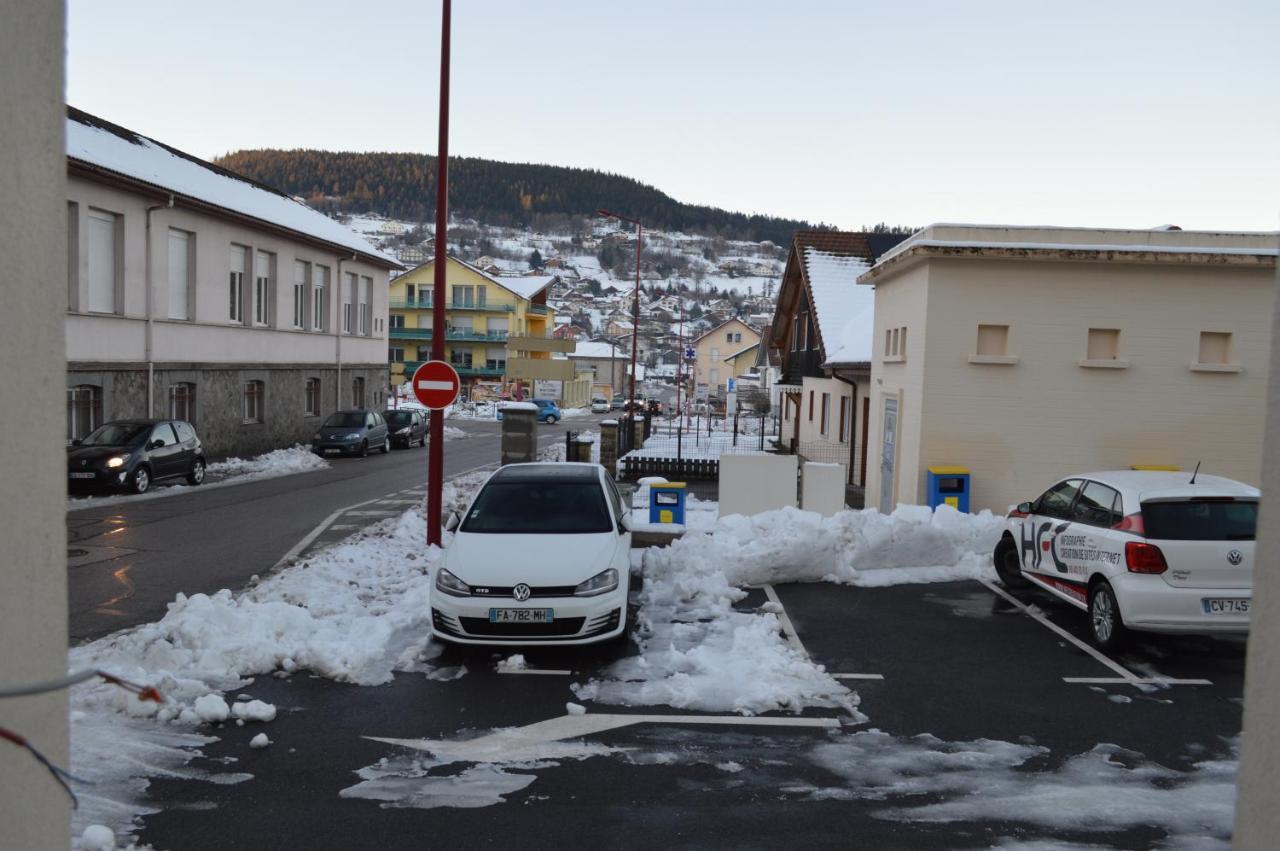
{"type": "Point", "coordinates": [262, 277]}
{"type": "Point", "coordinates": [397, 320]}
{"type": "Point", "coordinates": [366, 306]}
{"type": "Point", "coordinates": [846, 418]}
{"type": "Point", "coordinates": [182, 402]}
{"type": "Point", "coordinates": [84, 410]}
{"type": "Point", "coordinates": [312, 398]}
{"type": "Point", "coordinates": [301, 272]}
{"type": "Point", "coordinates": [181, 245]}
{"type": "Point", "coordinates": [235, 282]}
{"type": "Point", "coordinates": [395, 354]}
{"type": "Point", "coordinates": [348, 304]}
{"type": "Point", "coordinates": [825, 423]}
{"type": "Point", "coordinates": [253, 399]}
{"type": "Point", "coordinates": [357, 392]}
{"type": "Point", "coordinates": [715, 355]}
{"type": "Point", "coordinates": [104, 260]}
{"type": "Point", "coordinates": [319, 298]}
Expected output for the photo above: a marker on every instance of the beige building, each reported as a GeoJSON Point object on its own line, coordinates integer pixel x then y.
{"type": "Point", "coordinates": [201, 295]}
{"type": "Point", "coordinates": [710, 372]}
{"type": "Point", "coordinates": [1026, 354]}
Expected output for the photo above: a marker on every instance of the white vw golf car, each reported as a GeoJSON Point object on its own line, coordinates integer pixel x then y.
{"type": "Point", "coordinates": [1139, 550]}
{"type": "Point", "coordinates": [542, 556]}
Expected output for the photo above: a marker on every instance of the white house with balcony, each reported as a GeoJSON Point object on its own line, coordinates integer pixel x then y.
{"type": "Point", "coordinates": [198, 294]}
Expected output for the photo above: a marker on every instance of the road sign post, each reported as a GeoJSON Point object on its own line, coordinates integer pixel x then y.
{"type": "Point", "coordinates": [435, 459]}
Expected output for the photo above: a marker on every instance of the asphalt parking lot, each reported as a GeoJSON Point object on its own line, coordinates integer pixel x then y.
{"type": "Point", "coordinates": [351, 766]}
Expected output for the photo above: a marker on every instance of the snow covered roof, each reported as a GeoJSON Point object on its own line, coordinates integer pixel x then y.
{"type": "Point", "coordinates": [843, 311]}
{"type": "Point", "coordinates": [109, 147]}
{"type": "Point", "coordinates": [594, 349]}
{"type": "Point", "coordinates": [525, 286]}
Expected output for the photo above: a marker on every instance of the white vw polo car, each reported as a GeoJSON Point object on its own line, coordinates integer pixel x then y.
{"type": "Point", "coordinates": [542, 556]}
{"type": "Point", "coordinates": [1139, 550]}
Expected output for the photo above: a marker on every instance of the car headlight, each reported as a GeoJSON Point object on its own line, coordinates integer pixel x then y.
{"type": "Point", "coordinates": [117, 461]}
{"type": "Point", "coordinates": [404, 430]}
{"type": "Point", "coordinates": [355, 435]}
{"type": "Point", "coordinates": [452, 585]}
{"type": "Point", "coordinates": [602, 583]}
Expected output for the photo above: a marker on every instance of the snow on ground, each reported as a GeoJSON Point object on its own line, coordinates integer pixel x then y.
{"type": "Point", "coordinates": [232, 471]}
{"type": "Point", "coordinates": [574, 413]}
{"type": "Point", "coordinates": [700, 445]}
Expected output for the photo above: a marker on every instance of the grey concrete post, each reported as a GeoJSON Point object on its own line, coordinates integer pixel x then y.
{"type": "Point", "coordinates": [519, 436]}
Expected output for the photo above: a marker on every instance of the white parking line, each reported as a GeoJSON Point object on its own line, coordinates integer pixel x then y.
{"type": "Point", "coordinates": [381, 512]}
{"type": "Point", "coordinates": [1126, 675]}
{"type": "Point", "coordinates": [344, 527]}
{"type": "Point", "coordinates": [536, 671]}
{"type": "Point", "coordinates": [857, 676]}
{"type": "Point", "coordinates": [1151, 681]}
{"type": "Point", "coordinates": [784, 620]}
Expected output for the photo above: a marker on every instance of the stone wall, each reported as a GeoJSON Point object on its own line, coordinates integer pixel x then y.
{"type": "Point", "coordinates": [219, 399]}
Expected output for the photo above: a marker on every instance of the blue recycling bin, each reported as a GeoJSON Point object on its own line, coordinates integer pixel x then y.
{"type": "Point", "coordinates": [666, 503]}
{"type": "Point", "coordinates": [949, 486]}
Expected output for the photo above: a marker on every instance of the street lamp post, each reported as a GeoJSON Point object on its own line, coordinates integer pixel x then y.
{"type": "Point", "coordinates": [635, 304]}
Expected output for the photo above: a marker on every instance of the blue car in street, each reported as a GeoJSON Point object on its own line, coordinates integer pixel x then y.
{"type": "Point", "coordinates": [548, 411]}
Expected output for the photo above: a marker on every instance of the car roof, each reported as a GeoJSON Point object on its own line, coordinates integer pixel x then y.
{"type": "Point", "coordinates": [548, 472]}
{"type": "Point", "coordinates": [1140, 485]}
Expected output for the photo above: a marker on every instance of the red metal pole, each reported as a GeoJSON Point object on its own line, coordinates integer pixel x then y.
{"type": "Point", "coordinates": [435, 460]}
{"type": "Point", "coordinates": [679, 359]}
{"type": "Point", "coordinates": [635, 324]}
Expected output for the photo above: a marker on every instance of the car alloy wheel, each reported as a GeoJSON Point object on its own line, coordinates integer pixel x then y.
{"type": "Point", "coordinates": [141, 480]}
{"type": "Point", "coordinates": [551, 420]}
{"type": "Point", "coordinates": [386, 445]}
{"type": "Point", "coordinates": [196, 476]}
{"type": "Point", "coordinates": [1105, 622]}
{"type": "Point", "coordinates": [364, 449]}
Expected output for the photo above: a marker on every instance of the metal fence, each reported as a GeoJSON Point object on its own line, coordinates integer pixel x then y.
{"type": "Point", "coordinates": [691, 446]}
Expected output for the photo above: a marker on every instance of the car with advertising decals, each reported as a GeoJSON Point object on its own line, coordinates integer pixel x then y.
{"type": "Point", "coordinates": [542, 556]}
{"type": "Point", "coordinates": [1138, 550]}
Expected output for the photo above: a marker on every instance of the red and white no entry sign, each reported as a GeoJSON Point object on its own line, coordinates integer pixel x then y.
{"type": "Point", "coordinates": [436, 384]}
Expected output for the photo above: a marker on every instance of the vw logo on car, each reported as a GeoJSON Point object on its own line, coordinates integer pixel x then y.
{"type": "Point", "coordinates": [1235, 556]}
{"type": "Point", "coordinates": [521, 592]}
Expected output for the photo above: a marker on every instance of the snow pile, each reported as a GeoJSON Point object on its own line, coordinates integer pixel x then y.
{"type": "Point", "coordinates": [454, 433]}
{"type": "Point", "coordinates": [574, 413]}
{"type": "Point", "coordinates": [350, 613]}
{"type": "Point", "coordinates": [1106, 788]}
{"type": "Point", "coordinates": [913, 544]}
{"type": "Point", "coordinates": [279, 462]}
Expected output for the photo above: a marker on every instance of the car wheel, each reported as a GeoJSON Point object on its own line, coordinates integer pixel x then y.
{"type": "Point", "coordinates": [1106, 625]}
{"type": "Point", "coordinates": [1008, 565]}
{"type": "Point", "coordinates": [196, 476]}
{"type": "Point", "coordinates": [551, 420]}
{"type": "Point", "coordinates": [386, 445]}
{"type": "Point", "coordinates": [140, 481]}
{"type": "Point", "coordinates": [364, 449]}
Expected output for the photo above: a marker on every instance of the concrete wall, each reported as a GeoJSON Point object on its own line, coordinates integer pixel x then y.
{"type": "Point", "coordinates": [750, 484]}
{"type": "Point", "coordinates": [34, 811]}
{"type": "Point", "coordinates": [1020, 426]}
{"type": "Point", "coordinates": [903, 303]}
{"type": "Point", "coordinates": [828, 447]}
{"type": "Point", "coordinates": [1257, 816]}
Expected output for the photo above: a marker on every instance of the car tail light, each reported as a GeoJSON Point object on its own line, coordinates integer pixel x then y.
{"type": "Point", "coordinates": [1132, 523]}
{"type": "Point", "coordinates": [1142, 557]}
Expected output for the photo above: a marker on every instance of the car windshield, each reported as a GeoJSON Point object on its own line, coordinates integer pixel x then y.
{"type": "Point", "coordinates": [1201, 520]}
{"type": "Point", "coordinates": [539, 508]}
{"type": "Point", "coordinates": [348, 419]}
{"type": "Point", "coordinates": [398, 418]}
{"type": "Point", "coordinates": [116, 434]}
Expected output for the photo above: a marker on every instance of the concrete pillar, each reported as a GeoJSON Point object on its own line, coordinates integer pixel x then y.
{"type": "Point", "coordinates": [1257, 816]}
{"type": "Point", "coordinates": [822, 488]}
{"type": "Point", "coordinates": [519, 433]}
{"type": "Point", "coordinates": [638, 425]}
{"type": "Point", "coordinates": [750, 484]}
{"type": "Point", "coordinates": [609, 446]}
{"type": "Point", "coordinates": [34, 811]}
{"type": "Point", "coordinates": [580, 450]}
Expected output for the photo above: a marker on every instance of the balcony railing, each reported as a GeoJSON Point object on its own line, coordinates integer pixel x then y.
{"type": "Point", "coordinates": [452, 334]}
{"type": "Point", "coordinates": [425, 304]}
{"type": "Point", "coordinates": [798, 364]}
{"type": "Point", "coordinates": [410, 366]}
{"type": "Point", "coordinates": [538, 308]}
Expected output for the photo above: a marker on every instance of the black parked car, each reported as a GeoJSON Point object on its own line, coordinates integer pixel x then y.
{"type": "Point", "coordinates": [351, 433]}
{"type": "Point", "coordinates": [135, 453]}
{"type": "Point", "coordinates": [406, 427]}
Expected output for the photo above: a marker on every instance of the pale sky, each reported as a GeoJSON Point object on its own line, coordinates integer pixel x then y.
{"type": "Point", "coordinates": [1110, 114]}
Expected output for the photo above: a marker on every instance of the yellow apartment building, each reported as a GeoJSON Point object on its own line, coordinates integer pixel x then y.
{"type": "Point", "coordinates": [498, 329]}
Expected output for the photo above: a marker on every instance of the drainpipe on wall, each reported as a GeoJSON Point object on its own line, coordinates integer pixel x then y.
{"type": "Point", "coordinates": [853, 420]}
{"type": "Point", "coordinates": [151, 367]}
{"type": "Point", "coordinates": [337, 328]}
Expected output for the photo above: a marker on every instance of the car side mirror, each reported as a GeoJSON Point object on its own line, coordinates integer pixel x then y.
{"type": "Point", "coordinates": [76, 442]}
{"type": "Point", "coordinates": [624, 524]}
{"type": "Point", "coordinates": [452, 522]}
{"type": "Point", "coordinates": [155, 444]}
{"type": "Point", "coordinates": [1024, 508]}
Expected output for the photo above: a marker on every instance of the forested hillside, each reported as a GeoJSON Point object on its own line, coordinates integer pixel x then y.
{"type": "Point", "coordinates": [402, 186]}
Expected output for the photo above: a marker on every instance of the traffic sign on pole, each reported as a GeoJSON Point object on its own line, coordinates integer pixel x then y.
{"type": "Point", "coordinates": [436, 384]}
